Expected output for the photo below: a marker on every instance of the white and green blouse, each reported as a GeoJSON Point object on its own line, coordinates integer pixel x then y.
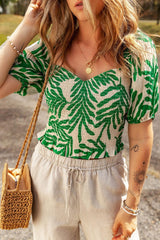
{"type": "Point", "coordinates": [86, 118]}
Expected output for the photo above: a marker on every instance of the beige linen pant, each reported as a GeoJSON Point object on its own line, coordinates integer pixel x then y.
{"type": "Point", "coordinates": [69, 191]}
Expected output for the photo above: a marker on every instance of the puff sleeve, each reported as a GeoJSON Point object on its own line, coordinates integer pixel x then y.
{"type": "Point", "coordinates": [30, 67]}
{"type": "Point", "coordinates": [144, 89]}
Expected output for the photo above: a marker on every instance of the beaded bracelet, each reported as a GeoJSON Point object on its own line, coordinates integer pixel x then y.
{"type": "Point", "coordinates": [14, 48]}
{"type": "Point", "coordinates": [133, 214]}
{"type": "Point", "coordinates": [130, 210]}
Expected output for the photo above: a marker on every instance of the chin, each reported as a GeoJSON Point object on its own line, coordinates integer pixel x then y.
{"type": "Point", "coordinates": [82, 17]}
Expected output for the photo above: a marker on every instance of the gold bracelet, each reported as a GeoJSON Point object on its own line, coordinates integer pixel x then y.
{"type": "Point", "coordinates": [14, 48]}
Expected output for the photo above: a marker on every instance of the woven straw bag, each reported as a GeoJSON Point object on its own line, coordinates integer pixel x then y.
{"type": "Point", "coordinates": [16, 204]}
{"type": "Point", "coordinates": [16, 198]}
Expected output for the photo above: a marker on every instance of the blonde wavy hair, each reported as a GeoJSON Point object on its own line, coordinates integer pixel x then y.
{"type": "Point", "coordinates": [118, 23]}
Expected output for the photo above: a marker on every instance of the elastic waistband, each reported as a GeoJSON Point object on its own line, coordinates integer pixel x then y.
{"type": "Point", "coordinates": [83, 164]}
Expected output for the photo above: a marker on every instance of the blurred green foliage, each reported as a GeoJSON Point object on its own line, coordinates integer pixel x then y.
{"type": "Point", "coordinates": [9, 22]}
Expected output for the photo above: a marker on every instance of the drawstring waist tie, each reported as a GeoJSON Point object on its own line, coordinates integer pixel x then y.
{"type": "Point", "coordinates": [76, 168]}
{"type": "Point", "coordinates": [80, 178]}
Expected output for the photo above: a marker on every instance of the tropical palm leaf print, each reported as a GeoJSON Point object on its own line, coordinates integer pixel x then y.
{"type": "Point", "coordinates": [112, 108]}
{"type": "Point", "coordinates": [55, 100]}
{"type": "Point", "coordinates": [151, 78]}
{"type": "Point", "coordinates": [145, 101]}
{"type": "Point", "coordinates": [87, 118]}
{"type": "Point", "coordinates": [81, 107]}
{"type": "Point", "coordinates": [30, 68]}
{"type": "Point", "coordinates": [56, 135]}
{"type": "Point", "coordinates": [113, 95]}
{"type": "Point", "coordinates": [97, 149]}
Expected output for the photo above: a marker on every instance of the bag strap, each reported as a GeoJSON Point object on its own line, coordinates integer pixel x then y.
{"type": "Point", "coordinates": [30, 130]}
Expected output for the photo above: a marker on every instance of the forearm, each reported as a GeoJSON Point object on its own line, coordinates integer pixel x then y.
{"type": "Point", "coordinates": [25, 32]}
{"type": "Point", "coordinates": [21, 37]}
{"type": "Point", "coordinates": [140, 153]}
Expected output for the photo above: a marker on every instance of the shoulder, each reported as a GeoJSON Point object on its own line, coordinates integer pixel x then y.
{"type": "Point", "coordinates": [146, 43]}
{"type": "Point", "coordinates": [144, 97]}
{"type": "Point", "coordinates": [146, 56]}
{"type": "Point", "coordinates": [37, 52]}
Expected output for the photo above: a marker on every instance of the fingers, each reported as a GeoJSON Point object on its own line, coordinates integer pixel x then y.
{"type": "Point", "coordinates": [117, 237]}
{"type": "Point", "coordinates": [39, 2]}
{"type": "Point", "coordinates": [119, 232]}
{"type": "Point", "coordinates": [33, 1]}
{"type": "Point", "coordinates": [124, 225]}
{"type": "Point", "coordinates": [33, 15]}
{"type": "Point", "coordinates": [36, 2]}
{"type": "Point", "coordinates": [115, 228]}
{"type": "Point", "coordinates": [120, 237]}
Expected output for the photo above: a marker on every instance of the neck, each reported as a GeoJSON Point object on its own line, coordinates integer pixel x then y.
{"type": "Point", "coordinates": [87, 34]}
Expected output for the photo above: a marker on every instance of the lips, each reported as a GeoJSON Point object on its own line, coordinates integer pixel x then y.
{"type": "Point", "coordinates": [79, 4]}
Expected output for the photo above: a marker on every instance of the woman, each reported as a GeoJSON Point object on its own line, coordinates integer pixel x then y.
{"type": "Point", "coordinates": [101, 71]}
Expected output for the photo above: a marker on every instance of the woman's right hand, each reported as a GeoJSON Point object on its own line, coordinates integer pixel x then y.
{"type": "Point", "coordinates": [33, 16]}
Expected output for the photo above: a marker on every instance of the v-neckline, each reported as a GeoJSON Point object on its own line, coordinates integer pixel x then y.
{"type": "Point", "coordinates": [98, 75]}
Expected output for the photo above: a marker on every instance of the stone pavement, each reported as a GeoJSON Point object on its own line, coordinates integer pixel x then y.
{"type": "Point", "coordinates": [15, 114]}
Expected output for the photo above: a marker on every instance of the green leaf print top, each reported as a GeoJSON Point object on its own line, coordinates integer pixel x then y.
{"type": "Point", "coordinates": [86, 118]}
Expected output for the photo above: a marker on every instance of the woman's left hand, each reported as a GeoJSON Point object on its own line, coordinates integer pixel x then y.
{"type": "Point", "coordinates": [123, 226]}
